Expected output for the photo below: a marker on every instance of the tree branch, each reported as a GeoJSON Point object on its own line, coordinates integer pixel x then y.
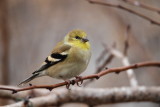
{"type": "Point", "coordinates": [19, 96]}
{"type": "Point", "coordinates": [126, 42]}
{"type": "Point", "coordinates": [97, 76]}
{"type": "Point", "coordinates": [126, 9]}
{"type": "Point", "coordinates": [142, 5]}
{"type": "Point", "coordinates": [100, 68]}
{"type": "Point", "coordinates": [95, 97]}
{"type": "Point", "coordinates": [124, 58]}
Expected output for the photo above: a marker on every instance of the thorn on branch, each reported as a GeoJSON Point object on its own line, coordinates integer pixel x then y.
{"type": "Point", "coordinates": [30, 84]}
{"type": "Point", "coordinates": [97, 77]}
{"type": "Point", "coordinates": [90, 1]}
{"type": "Point", "coordinates": [117, 72]}
{"type": "Point", "coordinates": [50, 89]}
{"type": "Point", "coordinates": [135, 65]}
{"type": "Point", "coordinates": [14, 91]}
{"type": "Point", "coordinates": [152, 22]}
{"type": "Point", "coordinates": [106, 68]}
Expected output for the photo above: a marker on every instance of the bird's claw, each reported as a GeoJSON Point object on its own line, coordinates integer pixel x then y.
{"type": "Point", "coordinates": [79, 78]}
{"type": "Point", "coordinates": [68, 83]}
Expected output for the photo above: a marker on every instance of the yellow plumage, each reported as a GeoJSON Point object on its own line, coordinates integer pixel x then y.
{"type": "Point", "coordinates": [68, 59]}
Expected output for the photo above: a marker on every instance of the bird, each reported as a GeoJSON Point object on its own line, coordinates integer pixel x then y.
{"type": "Point", "coordinates": [68, 59]}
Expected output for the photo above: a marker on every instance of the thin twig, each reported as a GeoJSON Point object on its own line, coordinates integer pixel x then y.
{"type": "Point", "coordinates": [126, 9]}
{"type": "Point", "coordinates": [5, 94]}
{"type": "Point", "coordinates": [97, 76]}
{"type": "Point", "coordinates": [101, 56]}
{"type": "Point", "coordinates": [126, 42]}
{"type": "Point", "coordinates": [142, 5]}
{"type": "Point", "coordinates": [125, 60]}
{"type": "Point", "coordinates": [100, 68]}
{"type": "Point", "coordinates": [105, 63]}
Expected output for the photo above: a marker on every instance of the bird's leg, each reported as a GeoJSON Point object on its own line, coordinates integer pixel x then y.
{"type": "Point", "coordinates": [68, 83]}
{"type": "Point", "coordinates": [80, 79]}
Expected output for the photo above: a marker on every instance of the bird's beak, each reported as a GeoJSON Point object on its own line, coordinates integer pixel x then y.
{"type": "Point", "coordinates": [85, 40]}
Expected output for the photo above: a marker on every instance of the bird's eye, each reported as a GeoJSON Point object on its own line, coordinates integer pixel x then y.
{"type": "Point", "coordinates": [77, 37]}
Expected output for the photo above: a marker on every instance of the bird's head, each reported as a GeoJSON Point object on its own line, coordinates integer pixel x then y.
{"type": "Point", "coordinates": [77, 38]}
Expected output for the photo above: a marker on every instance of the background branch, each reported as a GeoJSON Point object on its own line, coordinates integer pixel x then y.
{"type": "Point", "coordinates": [125, 62]}
{"type": "Point", "coordinates": [113, 52]}
{"type": "Point", "coordinates": [119, 6]}
{"type": "Point", "coordinates": [101, 67]}
{"type": "Point", "coordinates": [123, 57]}
{"type": "Point", "coordinates": [142, 5]}
{"type": "Point", "coordinates": [95, 97]}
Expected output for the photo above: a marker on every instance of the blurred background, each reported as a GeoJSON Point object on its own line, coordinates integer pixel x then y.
{"type": "Point", "coordinates": [29, 29]}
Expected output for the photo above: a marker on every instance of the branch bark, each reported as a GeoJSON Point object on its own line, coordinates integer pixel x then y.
{"type": "Point", "coordinates": [97, 76]}
{"type": "Point", "coordinates": [119, 6]}
{"type": "Point", "coordinates": [142, 5]}
{"type": "Point", "coordinates": [95, 97]}
{"type": "Point", "coordinates": [20, 96]}
{"type": "Point", "coordinates": [124, 58]}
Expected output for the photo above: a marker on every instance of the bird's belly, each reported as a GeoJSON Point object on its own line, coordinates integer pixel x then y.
{"type": "Point", "coordinates": [66, 71]}
{"type": "Point", "coordinates": [71, 67]}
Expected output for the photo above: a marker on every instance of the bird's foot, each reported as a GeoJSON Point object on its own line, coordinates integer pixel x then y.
{"type": "Point", "coordinates": [79, 78]}
{"type": "Point", "coordinates": [69, 82]}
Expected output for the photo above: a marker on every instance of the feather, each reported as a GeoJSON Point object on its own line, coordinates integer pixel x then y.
{"type": "Point", "coordinates": [29, 79]}
{"type": "Point", "coordinates": [58, 55]}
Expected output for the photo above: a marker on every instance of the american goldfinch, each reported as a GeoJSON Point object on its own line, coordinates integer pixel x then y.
{"type": "Point", "coordinates": [68, 59]}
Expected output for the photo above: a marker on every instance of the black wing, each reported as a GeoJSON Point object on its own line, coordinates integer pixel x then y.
{"type": "Point", "coordinates": [51, 60]}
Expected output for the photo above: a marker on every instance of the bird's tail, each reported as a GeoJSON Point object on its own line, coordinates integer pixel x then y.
{"type": "Point", "coordinates": [29, 79]}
